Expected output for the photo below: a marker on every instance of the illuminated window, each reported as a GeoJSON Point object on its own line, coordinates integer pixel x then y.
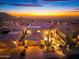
{"type": "Point", "coordinates": [78, 36]}
{"type": "Point", "coordinates": [46, 32]}
{"type": "Point", "coordinates": [26, 42]}
{"type": "Point", "coordinates": [38, 31]}
{"type": "Point", "coordinates": [28, 31]}
{"type": "Point", "coordinates": [42, 42]}
{"type": "Point", "coordinates": [45, 38]}
{"type": "Point", "coordinates": [52, 31]}
{"type": "Point", "coordinates": [14, 42]}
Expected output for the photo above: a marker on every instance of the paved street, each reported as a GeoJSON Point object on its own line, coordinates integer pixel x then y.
{"type": "Point", "coordinates": [33, 52]}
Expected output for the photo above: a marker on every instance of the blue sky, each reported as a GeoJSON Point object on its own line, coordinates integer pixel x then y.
{"type": "Point", "coordinates": [38, 5]}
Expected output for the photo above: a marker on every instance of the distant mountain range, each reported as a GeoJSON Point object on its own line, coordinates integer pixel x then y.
{"type": "Point", "coordinates": [5, 17]}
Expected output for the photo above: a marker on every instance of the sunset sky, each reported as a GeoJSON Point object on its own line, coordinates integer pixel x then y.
{"type": "Point", "coordinates": [40, 7]}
